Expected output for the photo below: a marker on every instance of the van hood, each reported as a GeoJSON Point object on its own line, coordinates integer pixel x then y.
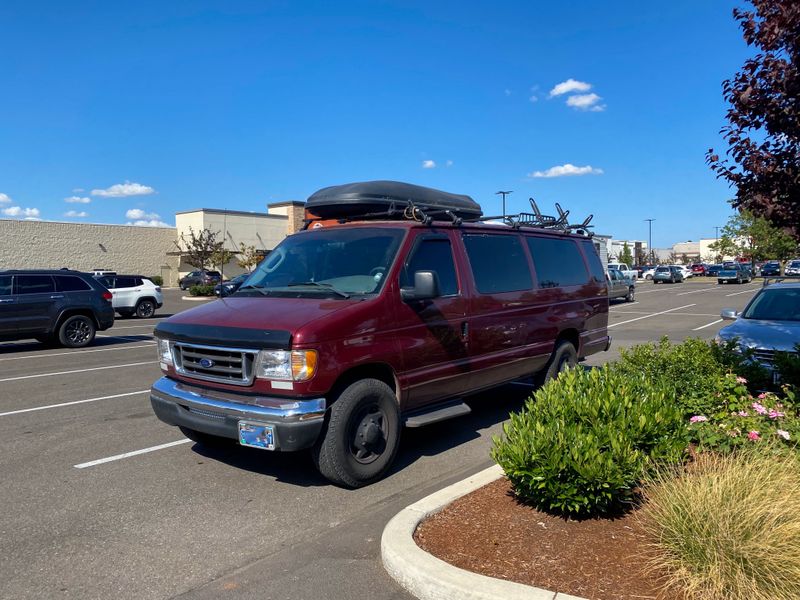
{"type": "Point", "coordinates": [249, 322]}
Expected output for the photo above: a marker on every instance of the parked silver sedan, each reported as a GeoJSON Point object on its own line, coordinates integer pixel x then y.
{"type": "Point", "coordinates": [769, 323]}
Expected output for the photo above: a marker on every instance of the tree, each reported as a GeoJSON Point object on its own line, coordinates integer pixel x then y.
{"type": "Point", "coordinates": [221, 257]}
{"type": "Point", "coordinates": [200, 249]}
{"type": "Point", "coordinates": [753, 237]}
{"type": "Point", "coordinates": [625, 256]}
{"type": "Point", "coordinates": [249, 257]}
{"type": "Point", "coordinates": [763, 134]}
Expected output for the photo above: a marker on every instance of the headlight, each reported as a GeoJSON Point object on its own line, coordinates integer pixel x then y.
{"type": "Point", "coordinates": [164, 351]}
{"type": "Point", "coordinates": [284, 365]}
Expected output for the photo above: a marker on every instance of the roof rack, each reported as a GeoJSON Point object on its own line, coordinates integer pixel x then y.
{"type": "Point", "coordinates": [771, 280]}
{"type": "Point", "coordinates": [542, 221]}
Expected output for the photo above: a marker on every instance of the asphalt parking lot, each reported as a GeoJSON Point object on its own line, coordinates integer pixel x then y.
{"type": "Point", "coordinates": [100, 499]}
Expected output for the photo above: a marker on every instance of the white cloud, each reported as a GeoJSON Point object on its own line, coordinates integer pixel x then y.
{"type": "Point", "coordinates": [5, 198]}
{"type": "Point", "coordinates": [569, 86]}
{"type": "Point", "coordinates": [586, 102]}
{"type": "Point", "coordinates": [534, 98]}
{"type": "Point", "coordinates": [16, 211]}
{"type": "Point", "coordinates": [121, 190]}
{"type": "Point", "coordinates": [31, 219]}
{"type": "Point", "coordinates": [76, 214]}
{"type": "Point", "coordinates": [78, 200]}
{"type": "Point", "coordinates": [78, 190]}
{"type": "Point", "coordinates": [566, 170]}
{"type": "Point", "coordinates": [449, 163]}
{"type": "Point", "coordinates": [150, 223]}
{"type": "Point", "coordinates": [428, 164]}
{"type": "Point", "coordinates": [138, 214]}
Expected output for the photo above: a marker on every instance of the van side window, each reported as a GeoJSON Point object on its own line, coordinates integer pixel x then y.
{"type": "Point", "coordinates": [34, 284]}
{"type": "Point", "coordinates": [595, 266]}
{"type": "Point", "coordinates": [432, 255]}
{"type": "Point", "coordinates": [5, 285]}
{"type": "Point", "coordinates": [498, 263]}
{"type": "Point", "coordinates": [558, 262]}
{"type": "Point", "coordinates": [70, 283]}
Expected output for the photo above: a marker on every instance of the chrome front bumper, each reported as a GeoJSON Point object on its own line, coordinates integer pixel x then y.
{"type": "Point", "coordinates": [297, 423]}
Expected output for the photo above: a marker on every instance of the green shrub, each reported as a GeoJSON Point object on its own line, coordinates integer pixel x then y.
{"type": "Point", "coordinates": [201, 290]}
{"type": "Point", "coordinates": [157, 279]}
{"type": "Point", "coordinates": [727, 527]}
{"type": "Point", "coordinates": [788, 366]}
{"type": "Point", "coordinates": [582, 443]}
{"type": "Point", "coordinates": [731, 356]}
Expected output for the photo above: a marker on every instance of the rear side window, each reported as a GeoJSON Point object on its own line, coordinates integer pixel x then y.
{"type": "Point", "coordinates": [34, 284]}
{"type": "Point", "coordinates": [558, 262]}
{"type": "Point", "coordinates": [432, 255]}
{"type": "Point", "coordinates": [125, 282]}
{"type": "Point", "coordinates": [108, 282]}
{"type": "Point", "coordinates": [5, 285]}
{"type": "Point", "coordinates": [70, 283]}
{"type": "Point", "coordinates": [592, 257]}
{"type": "Point", "coordinates": [498, 263]}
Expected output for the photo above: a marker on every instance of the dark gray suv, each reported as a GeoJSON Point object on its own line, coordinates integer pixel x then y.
{"type": "Point", "coordinates": [66, 307]}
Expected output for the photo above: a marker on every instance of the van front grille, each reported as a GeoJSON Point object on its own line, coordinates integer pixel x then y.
{"type": "Point", "coordinates": [234, 366]}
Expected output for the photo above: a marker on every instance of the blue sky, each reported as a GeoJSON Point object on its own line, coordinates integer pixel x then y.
{"type": "Point", "coordinates": [161, 107]}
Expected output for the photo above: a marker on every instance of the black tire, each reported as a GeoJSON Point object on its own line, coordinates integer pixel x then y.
{"type": "Point", "coordinates": [631, 294]}
{"type": "Point", "coordinates": [183, 287]}
{"type": "Point", "coordinates": [720, 282]}
{"type": "Point", "coordinates": [361, 436]}
{"type": "Point", "coordinates": [76, 331]}
{"type": "Point", "coordinates": [738, 280]}
{"type": "Point", "coordinates": [206, 439]}
{"type": "Point", "coordinates": [145, 309]}
{"type": "Point", "coordinates": [564, 356]}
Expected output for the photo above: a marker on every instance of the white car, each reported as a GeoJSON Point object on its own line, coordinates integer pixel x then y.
{"type": "Point", "coordinates": [133, 295]}
{"type": "Point", "coordinates": [792, 268]}
{"type": "Point", "coordinates": [648, 273]}
{"type": "Point", "coordinates": [686, 270]}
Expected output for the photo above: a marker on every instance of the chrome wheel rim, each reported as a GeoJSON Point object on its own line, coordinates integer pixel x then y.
{"type": "Point", "coordinates": [78, 332]}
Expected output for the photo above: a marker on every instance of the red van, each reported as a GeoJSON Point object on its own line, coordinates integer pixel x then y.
{"type": "Point", "coordinates": [383, 318]}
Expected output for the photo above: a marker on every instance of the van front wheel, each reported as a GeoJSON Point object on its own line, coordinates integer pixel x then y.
{"type": "Point", "coordinates": [362, 435]}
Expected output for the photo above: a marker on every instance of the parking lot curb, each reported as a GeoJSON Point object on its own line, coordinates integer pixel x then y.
{"type": "Point", "coordinates": [430, 578]}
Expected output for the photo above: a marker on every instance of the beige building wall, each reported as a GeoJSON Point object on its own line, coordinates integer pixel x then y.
{"type": "Point", "coordinates": [85, 246]}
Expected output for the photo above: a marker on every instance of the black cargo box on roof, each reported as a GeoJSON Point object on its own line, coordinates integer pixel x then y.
{"type": "Point", "coordinates": [375, 198]}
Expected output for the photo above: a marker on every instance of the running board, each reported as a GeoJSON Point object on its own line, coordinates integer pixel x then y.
{"type": "Point", "coordinates": [437, 413]}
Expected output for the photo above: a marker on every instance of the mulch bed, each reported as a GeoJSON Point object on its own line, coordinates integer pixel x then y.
{"type": "Point", "coordinates": [491, 533]}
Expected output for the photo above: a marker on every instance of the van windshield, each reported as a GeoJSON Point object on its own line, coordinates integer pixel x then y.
{"type": "Point", "coordinates": [337, 261]}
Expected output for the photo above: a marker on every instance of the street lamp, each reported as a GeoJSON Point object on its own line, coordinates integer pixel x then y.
{"type": "Point", "coordinates": [650, 239]}
{"type": "Point", "coordinates": [504, 194]}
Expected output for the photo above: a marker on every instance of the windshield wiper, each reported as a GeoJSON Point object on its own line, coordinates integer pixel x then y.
{"type": "Point", "coordinates": [260, 290]}
{"type": "Point", "coordinates": [327, 286]}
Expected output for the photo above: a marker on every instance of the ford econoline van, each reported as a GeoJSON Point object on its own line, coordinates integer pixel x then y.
{"type": "Point", "coordinates": [393, 304]}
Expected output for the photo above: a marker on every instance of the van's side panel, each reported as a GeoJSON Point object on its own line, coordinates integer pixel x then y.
{"type": "Point", "coordinates": [508, 331]}
{"type": "Point", "coordinates": [594, 334]}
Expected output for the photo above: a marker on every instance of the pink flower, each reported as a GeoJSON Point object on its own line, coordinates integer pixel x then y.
{"type": "Point", "coordinates": [762, 395]}
{"type": "Point", "coordinates": [783, 434]}
{"type": "Point", "coordinates": [759, 408]}
{"type": "Point", "coordinates": [774, 414]}
{"type": "Point", "coordinates": [753, 435]}
{"type": "Point", "coordinates": [741, 380]}
{"type": "Point", "coordinates": [698, 419]}
{"type": "Point", "coordinates": [743, 413]}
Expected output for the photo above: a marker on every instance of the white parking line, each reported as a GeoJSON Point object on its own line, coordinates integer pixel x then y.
{"type": "Point", "coordinates": [149, 362]}
{"type": "Point", "coordinates": [35, 408]}
{"type": "Point", "coordinates": [101, 461]}
{"type": "Point", "coordinates": [696, 291]}
{"type": "Point", "coordinates": [707, 325]}
{"type": "Point", "coordinates": [77, 352]}
{"type": "Point", "coordinates": [663, 312]}
{"type": "Point", "coordinates": [737, 293]}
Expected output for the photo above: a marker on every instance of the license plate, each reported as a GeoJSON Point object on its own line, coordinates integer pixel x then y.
{"type": "Point", "coordinates": [256, 435]}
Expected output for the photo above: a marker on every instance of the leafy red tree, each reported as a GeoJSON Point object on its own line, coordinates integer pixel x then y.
{"type": "Point", "coordinates": [763, 136]}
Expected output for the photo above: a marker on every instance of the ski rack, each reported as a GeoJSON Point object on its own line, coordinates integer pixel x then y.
{"type": "Point", "coordinates": [542, 221]}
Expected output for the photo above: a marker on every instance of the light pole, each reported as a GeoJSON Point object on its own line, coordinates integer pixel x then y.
{"type": "Point", "coordinates": [504, 194]}
{"type": "Point", "coordinates": [650, 239]}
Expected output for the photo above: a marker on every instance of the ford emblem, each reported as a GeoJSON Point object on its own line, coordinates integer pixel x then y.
{"type": "Point", "coordinates": [206, 363]}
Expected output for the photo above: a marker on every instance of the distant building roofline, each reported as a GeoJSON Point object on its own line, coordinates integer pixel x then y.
{"type": "Point", "coordinates": [286, 203]}
{"type": "Point", "coordinates": [243, 213]}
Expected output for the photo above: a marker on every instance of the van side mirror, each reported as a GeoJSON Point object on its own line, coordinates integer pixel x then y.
{"type": "Point", "coordinates": [426, 287]}
{"type": "Point", "coordinates": [729, 314]}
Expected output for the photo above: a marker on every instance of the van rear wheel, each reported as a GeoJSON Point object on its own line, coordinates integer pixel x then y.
{"type": "Point", "coordinates": [362, 435]}
{"type": "Point", "coordinates": [564, 357]}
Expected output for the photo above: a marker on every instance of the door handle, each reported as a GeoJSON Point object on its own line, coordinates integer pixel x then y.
{"type": "Point", "coordinates": [7, 300]}
{"type": "Point", "coordinates": [56, 296]}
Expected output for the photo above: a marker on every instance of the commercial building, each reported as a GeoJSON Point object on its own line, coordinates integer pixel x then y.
{"type": "Point", "coordinates": [143, 250]}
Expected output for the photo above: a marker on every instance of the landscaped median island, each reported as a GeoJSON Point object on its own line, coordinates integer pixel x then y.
{"type": "Point", "coordinates": [671, 473]}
